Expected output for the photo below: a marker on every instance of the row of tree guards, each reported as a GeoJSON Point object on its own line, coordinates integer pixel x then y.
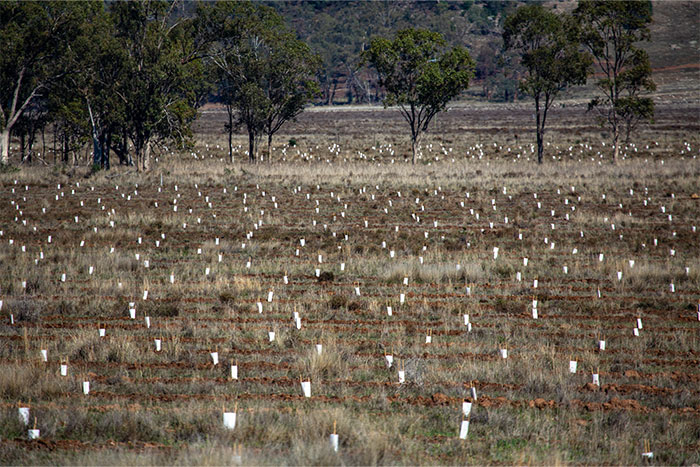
{"type": "Point", "coordinates": [500, 254]}
{"type": "Point", "coordinates": [84, 69]}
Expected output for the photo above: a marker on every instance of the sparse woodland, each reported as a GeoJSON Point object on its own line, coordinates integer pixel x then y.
{"type": "Point", "coordinates": [201, 262]}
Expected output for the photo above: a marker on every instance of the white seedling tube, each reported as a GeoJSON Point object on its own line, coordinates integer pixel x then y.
{"type": "Point", "coordinates": [45, 355]}
{"type": "Point", "coordinates": [86, 387]}
{"type": "Point", "coordinates": [64, 369]}
{"type": "Point", "coordinates": [230, 420]}
{"type": "Point", "coordinates": [23, 413]}
{"type": "Point", "coordinates": [389, 360]}
{"type": "Point", "coordinates": [573, 364]}
{"type": "Point", "coordinates": [33, 433]}
{"type": "Point", "coordinates": [334, 441]}
{"type": "Point", "coordinates": [495, 252]}
{"type": "Point", "coordinates": [504, 353]}
{"type": "Point", "coordinates": [466, 408]}
{"type": "Point", "coordinates": [306, 388]}
{"type": "Point", "coordinates": [319, 349]}
{"type": "Point", "coordinates": [402, 298]}
{"type": "Point", "coordinates": [271, 336]}
{"type": "Point", "coordinates": [145, 294]}
{"type": "Point", "coordinates": [214, 358]}
{"type": "Point", "coordinates": [466, 319]}
{"type": "Point", "coordinates": [102, 332]}
{"type": "Point", "coordinates": [464, 429]}
{"type": "Point", "coordinates": [132, 313]}
{"type": "Point", "coordinates": [234, 371]}
{"type": "Point", "coordinates": [535, 283]}
{"type": "Point", "coordinates": [260, 308]}
{"type": "Point", "coordinates": [639, 323]}
{"type": "Point", "coordinates": [357, 291]}
{"type": "Point", "coordinates": [158, 344]}
{"type": "Point", "coordinates": [636, 332]}
{"type": "Point", "coordinates": [342, 266]}
{"type": "Point", "coordinates": [535, 315]}
{"type": "Point", "coordinates": [147, 319]}
{"type": "Point", "coordinates": [389, 311]}
{"type": "Point", "coordinates": [601, 345]}
{"type": "Point", "coordinates": [596, 379]}
{"type": "Point", "coordinates": [402, 376]}
{"type": "Point", "coordinates": [473, 392]}
{"type": "Point", "coordinates": [269, 296]}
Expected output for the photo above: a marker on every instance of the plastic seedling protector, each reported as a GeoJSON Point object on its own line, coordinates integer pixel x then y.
{"type": "Point", "coordinates": [464, 429]}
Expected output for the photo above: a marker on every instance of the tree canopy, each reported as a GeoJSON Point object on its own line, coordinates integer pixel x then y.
{"type": "Point", "coordinates": [35, 37]}
{"type": "Point", "coordinates": [420, 75]}
{"type": "Point", "coordinates": [610, 31]}
{"type": "Point", "coordinates": [548, 47]}
{"type": "Point", "coordinates": [266, 75]}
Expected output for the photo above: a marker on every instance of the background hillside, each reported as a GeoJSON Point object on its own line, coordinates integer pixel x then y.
{"type": "Point", "coordinates": [339, 31]}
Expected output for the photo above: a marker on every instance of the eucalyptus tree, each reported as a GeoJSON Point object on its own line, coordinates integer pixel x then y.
{"type": "Point", "coordinates": [160, 74]}
{"type": "Point", "coordinates": [420, 75]}
{"type": "Point", "coordinates": [548, 47]}
{"type": "Point", "coordinates": [34, 37]}
{"type": "Point", "coordinates": [265, 75]}
{"type": "Point", "coordinates": [610, 31]}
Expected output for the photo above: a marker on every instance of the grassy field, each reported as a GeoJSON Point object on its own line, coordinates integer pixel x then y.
{"type": "Point", "coordinates": [337, 231]}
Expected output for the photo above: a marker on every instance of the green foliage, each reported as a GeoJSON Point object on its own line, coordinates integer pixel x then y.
{"type": "Point", "coordinates": [161, 74]}
{"type": "Point", "coordinates": [548, 47]}
{"type": "Point", "coordinates": [264, 72]}
{"type": "Point", "coordinates": [34, 37]}
{"type": "Point", "coordinates": [419, 75]}
{"type": "Point", "coordinates": [610, 31]}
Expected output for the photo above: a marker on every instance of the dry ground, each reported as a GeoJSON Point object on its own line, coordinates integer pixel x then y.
{"type": "Point", "coordinates": [426, 232]}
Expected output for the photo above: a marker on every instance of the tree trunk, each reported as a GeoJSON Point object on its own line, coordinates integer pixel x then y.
{"type": "Point", "coordinates": [65, 148]}
{"type": "Point", "coordinates": [22, 147]}
{"type": "Point", "coordinates": [5, 143]}
{"type": "Point", "coordinates": [138, 150]}
{"type": "Point", "coordinates": [616, 145]}
{"type": "Point", "coordinates": [251, 146]}
{"type": "Point", "coordinates": [269, 148]}
{"type": "Point", "coordinates": [147, 157]}
{"type": "Point", "coordinates": [539, 128]}
{"type": "Point", "coordinates": [105, 150]}
{"type": "Point", "coordinates": [96, 149]}
{"type": "Point", "coordinates": [415, 140]}
{"type": "Point", "coordinates": [332, 94]}
{"type": "Point", "coordinates": [229, 109]}
{"type": "Point", "coordinates": [55, 135]}
{"type": "Point", "coordinates": [540, 134]}
{"type": "Point", "coordinates": [30, 144]}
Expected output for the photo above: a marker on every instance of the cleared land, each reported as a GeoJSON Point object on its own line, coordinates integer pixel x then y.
{"type": "Point", "coordinates": [427, 233]}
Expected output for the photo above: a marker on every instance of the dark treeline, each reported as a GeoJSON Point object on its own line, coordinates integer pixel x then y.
{"type": "Point", "coordinates": [100, 80]}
